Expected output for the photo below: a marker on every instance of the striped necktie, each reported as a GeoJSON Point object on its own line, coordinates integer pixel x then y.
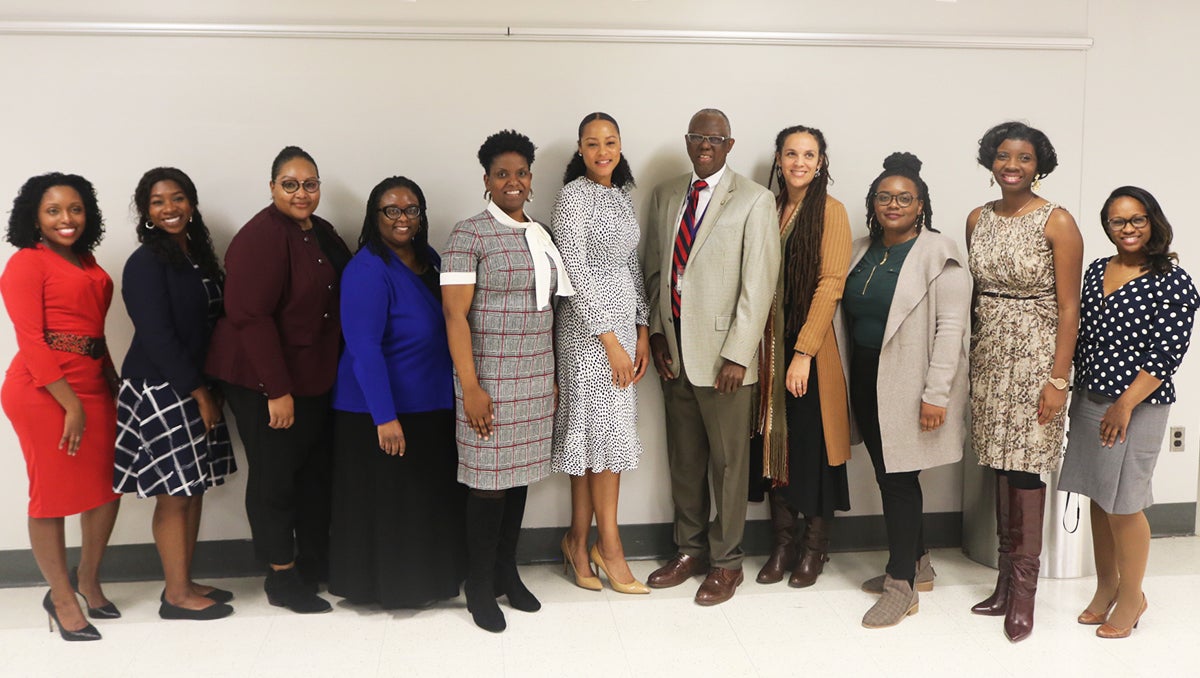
{"type": "Point", "coordinates": [683, 242]}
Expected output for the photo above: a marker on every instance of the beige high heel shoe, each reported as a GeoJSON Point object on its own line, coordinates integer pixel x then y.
{"type": "Point", "coordinates": [1107, 630]}
{"type": "Point", "coordinates": [590, 582]}
{"type": "Point", "coordinates": [1089, 618]}
{"type": "Point", "coordinates": [634, 586]}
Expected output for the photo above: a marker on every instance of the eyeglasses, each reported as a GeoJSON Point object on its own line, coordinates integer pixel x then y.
{"type": "Point", "coordinates": [713, 139]}
{"type": "Point", "coordinates": [394, 213]}
{"type": "Point", "coordinates": [883, 198]}
{"type": "Point", "coordinates": [1139, 222]}
{"type": "Point", "coordinates": [292, 185]}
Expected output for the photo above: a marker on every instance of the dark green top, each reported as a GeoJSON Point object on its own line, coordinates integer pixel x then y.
{"type": "Point", "coordinates": [869, 291]}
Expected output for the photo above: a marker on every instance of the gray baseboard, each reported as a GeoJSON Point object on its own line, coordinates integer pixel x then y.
{"type": "Point", "coordinates": [235, 557]}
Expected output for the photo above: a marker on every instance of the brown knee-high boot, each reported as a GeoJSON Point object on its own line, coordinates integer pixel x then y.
{"type": "Point", "coordinates": [816, 553]}
{"type": "Point", "coordinates": [783, 553]}
{"type": "Point", "coordinates": [996, 604]}
{"type": "Point", "coordinates": [1025, 525]}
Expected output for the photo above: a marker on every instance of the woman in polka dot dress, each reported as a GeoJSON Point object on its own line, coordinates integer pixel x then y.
{"type": "Point", "coordinates": [602, 347]}
{"type": "Point", "coordinates": [1138, 308]}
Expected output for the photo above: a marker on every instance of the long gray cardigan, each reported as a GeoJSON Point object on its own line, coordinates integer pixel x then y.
{"type": "Point", "coordinates": [924, 357]}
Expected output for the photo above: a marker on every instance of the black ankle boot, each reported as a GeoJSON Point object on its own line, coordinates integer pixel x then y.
{"type": "Point", "coordinates": [484, 518]}
{"type": "Point", "coordinates": [285, 589]}
{"type": "Point", "coordinates": [507, 577]}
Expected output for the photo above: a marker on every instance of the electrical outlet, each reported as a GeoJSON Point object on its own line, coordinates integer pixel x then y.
{"type": "Point", "coordinates": [1175, 439]}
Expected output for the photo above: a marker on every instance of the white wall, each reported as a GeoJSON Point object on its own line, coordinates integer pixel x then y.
{"type": "Point", "coordinates": [111, 107]}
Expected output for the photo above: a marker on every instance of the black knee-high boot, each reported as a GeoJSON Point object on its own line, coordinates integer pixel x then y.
{"type": "Point", "coordinates": [484, 518]}
{"type": "Point", "coordinates": [507, 578]}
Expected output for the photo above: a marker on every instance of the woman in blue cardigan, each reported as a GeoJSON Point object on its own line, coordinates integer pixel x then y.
{"type": "Point", "coordinates": [172, 443]}
{"type": "Point", "coordinates": [398, 510]}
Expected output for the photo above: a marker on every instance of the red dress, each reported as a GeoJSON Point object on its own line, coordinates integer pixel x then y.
{"type": "Point", "coordinates": [42, 291]}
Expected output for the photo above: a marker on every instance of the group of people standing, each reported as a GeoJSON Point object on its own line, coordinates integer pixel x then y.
{"type": "Point", "coordinates": [395, 404]}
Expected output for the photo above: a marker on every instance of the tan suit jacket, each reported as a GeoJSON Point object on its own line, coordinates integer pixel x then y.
{"type": "Point", "coordinates": [730, 277]}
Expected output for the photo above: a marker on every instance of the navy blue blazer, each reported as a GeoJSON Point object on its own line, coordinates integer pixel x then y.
{"type": "Point", "coordinates": [169, 310]}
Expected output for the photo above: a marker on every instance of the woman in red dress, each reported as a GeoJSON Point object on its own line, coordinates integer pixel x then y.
{"type": "Point", "coordinates": [59, 390]}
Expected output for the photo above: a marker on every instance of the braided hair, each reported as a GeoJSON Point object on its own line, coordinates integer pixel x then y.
{"type": "Point", "coordinates": [802, 255]}
{"type": "Point", "coordinates": [907, 165]}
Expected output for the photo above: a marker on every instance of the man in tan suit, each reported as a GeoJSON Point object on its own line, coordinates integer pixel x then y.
{"type": "Point", "coordinates": [711, 264]}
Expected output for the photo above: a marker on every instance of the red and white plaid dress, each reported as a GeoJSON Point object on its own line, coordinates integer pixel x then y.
{"type": "Point", "coordinates": [512, 341]}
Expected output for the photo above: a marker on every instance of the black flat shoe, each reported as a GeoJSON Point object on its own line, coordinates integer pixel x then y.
{"type": "Point", "coordinates": [219, 595]}
{"type": "Point", "coordinates": [88, 632]}
{"type": "Point", "coordinates": [108, 611]}
{"type": "Point", "coordinates": [214, 611]}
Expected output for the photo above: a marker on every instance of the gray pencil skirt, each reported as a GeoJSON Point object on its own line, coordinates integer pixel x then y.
{"type": "Point", "coordinates": [1117, 478]}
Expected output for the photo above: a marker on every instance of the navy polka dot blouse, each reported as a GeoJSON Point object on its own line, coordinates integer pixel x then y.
{"type": "Point", "coordinates": [1146, 324]}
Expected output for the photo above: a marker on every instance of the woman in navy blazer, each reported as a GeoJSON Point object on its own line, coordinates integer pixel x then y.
{"type": "Point", "coordinates": [172, 444]}
{"type": "Point", "coordinates": [276, 350]}
{"type": "Point", "coordinates": [398, 510]}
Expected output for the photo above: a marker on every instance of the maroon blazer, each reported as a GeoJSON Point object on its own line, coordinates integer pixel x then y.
{"type": "Point", "coordinates": [281, 332]}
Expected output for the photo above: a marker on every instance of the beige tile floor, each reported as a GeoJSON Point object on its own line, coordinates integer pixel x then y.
{"type": "Point", "coordinates": [763, 631]}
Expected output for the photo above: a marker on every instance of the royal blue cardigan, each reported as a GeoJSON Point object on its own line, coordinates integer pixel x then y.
{"type": "Point", "coordinates": [396, 359]}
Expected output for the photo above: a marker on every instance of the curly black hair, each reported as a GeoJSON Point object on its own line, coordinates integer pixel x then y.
{"type": "Point", "coordinates": [23, 228]}
{"type": "Point", "coordinates": [199, 242]}
{"type": "Point", "coordinates": [802, 254]}
{"type": "Point", "coordinates": [505, 141]}
{"type": "Point", "coordinates": [370, 237]}
{"type": "Point", "coordinates": [907, 165]}
{"type": "Point", "coordinates": [622, 175]}
{"type": "Point", "coordinates": [1047, 159]}
{"type": "Point", "coordinates": [287, 154]}
{"type": "Point", "coordinates": [1159, 256]}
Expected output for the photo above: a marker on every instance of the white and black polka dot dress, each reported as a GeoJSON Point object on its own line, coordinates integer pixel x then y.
{"type": "Point", "coordinates": [596, 230]}
{"type": "Point", "coordinates": [1145, 324]}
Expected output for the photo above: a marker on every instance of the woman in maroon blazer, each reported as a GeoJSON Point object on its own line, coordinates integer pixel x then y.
{"type": "Point", "coordinates": [276, 349]}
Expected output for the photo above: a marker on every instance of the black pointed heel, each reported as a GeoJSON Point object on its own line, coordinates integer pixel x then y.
{"type": "Point", "coordinates": [108, 611]}
{"type": "Point", "coordinates": [88, 632]}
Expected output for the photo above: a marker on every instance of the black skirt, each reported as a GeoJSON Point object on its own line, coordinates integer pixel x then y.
{"type": "Point", "coordinates": [814, 487]}
{"type": "Point", "coordinates": [398, 521]}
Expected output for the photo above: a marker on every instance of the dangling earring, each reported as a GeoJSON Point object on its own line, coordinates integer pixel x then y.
{"type": "Point", "coordinates": [189, 220]}
{"type": "Point", "coordinates": [149, 225]}
{"type": "Point", "coordinates": [1037, 184]}
{"type": "Point", "coordinates": [992, 180]}
{"type": "Point", "coordinates": [530, 198]}
{"type": "Point", "coordinates": [921, 222]}
{"type": "Point", "coordinates": [487, 195]}
{"type": "Point", "coordinates": [817, 173]}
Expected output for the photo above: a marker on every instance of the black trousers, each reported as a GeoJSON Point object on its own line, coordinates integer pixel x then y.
{"type": "Point", "coordinates": [290, 479]}
{"type": "Point", "coordinates": [901, 492]}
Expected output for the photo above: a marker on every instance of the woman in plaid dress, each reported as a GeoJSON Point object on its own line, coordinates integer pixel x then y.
{"type": "Point", "coordinates": [499, 272]}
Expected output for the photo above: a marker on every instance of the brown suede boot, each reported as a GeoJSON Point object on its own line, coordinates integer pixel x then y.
{"type": "Point", "coordinates": [816, 554]}
{"type": "Point", "coordinates": [783, 553]}
{"type": "Point", "coordinates": [1025, 524]}
{"type": "Point", "coordinates": [996, 604]}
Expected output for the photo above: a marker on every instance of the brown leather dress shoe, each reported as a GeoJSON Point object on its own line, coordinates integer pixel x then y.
{"type": "Point", "coordinates": [718, 586]}
{"type": "Point", "coordinates": [677, 570]}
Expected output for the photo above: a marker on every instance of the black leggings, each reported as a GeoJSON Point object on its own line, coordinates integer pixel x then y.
{"type": "Point", "coordinates": [901, 492]}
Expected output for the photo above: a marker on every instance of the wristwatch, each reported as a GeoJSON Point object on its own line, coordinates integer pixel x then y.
{"type": "Point", "coordinates": [1060, 384]}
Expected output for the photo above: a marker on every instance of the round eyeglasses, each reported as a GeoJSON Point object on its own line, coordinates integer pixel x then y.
{"type": "Point", "coordinates": [394, 213]}
{"type": "Point", "coordinates": [905, 199]}
{"type": "Point", "coordinates": [293, 185]}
